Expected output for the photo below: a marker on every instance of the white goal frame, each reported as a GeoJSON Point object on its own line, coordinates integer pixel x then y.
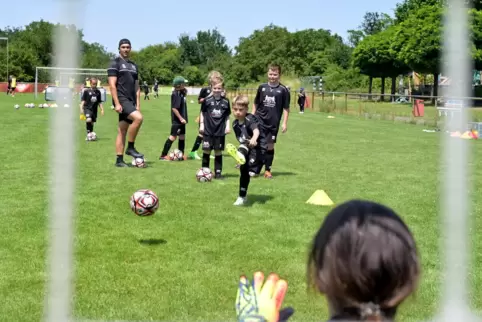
{"type": "Point", "coordinates": [70, 72]}
{"type": "Point", "coordinates": [454, 170]}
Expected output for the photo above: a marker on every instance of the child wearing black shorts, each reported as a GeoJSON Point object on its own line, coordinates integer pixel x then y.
{"type": "Point", "coordinates": [253, 145]}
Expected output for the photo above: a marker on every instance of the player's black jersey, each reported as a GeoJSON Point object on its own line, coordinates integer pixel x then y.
{"type": "Point", "coordinates": [156, 86]}
{"type": "Point", "coordinates": [145, 88]}
{"type": "Point", "coordinates": [244, 131]}
{"type": "Point", "coordinates": [178, 101]}
{"type": "Point", "coordinates": [215, 113]}
{"type": "Point", "coordinates": [127, 76]}
{"type": "Point", "coordinates": [270, 103]}
{"type": "Point", "coordinates": [91, 98]}
{"type": "Point", "coordinates": [205, 91]}
{"type": "Point", "coordinates": [10, 78]}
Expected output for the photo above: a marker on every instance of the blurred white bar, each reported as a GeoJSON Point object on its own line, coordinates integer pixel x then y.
{"type": "Point", "coordinates": [58, 306]}
{"type": "Point", "coordinates": [454, 166]}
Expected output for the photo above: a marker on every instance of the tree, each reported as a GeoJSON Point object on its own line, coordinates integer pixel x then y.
{"type": "Point", "coordinates": [375, 22]}
{"type": "Point", "coordinates": [261, 48]}
{"type": "Point", "coordinates": [354, 37]}
{"type": "Point", "coordinates": [418, 42]}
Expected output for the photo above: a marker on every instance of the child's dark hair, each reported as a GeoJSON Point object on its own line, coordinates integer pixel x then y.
{"type": "Point", "coordinates": [274, 66]}
{"type": "Point", "coordinates": [365, 260]}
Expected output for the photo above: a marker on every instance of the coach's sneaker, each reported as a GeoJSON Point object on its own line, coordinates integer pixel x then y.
{"type": "Point", "coordinates": [194, 156]}
{"type": "Point", "coordinates": [268, 175]}
{"type": "Point", "coordinates": [133, 153]}
{"type": "Point", "coordinates": [233, 152]}
{"type": "Point", "coordinates": [218, 176]}
{"type": "Point", "coordinates": [241, 201]}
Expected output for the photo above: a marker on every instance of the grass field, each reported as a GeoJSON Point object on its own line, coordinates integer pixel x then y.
{"type": "Point", "coordinates": [203, 242]}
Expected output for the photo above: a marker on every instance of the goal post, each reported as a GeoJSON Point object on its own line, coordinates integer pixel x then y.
{"type": "Point", "coordinates": [66, 77]}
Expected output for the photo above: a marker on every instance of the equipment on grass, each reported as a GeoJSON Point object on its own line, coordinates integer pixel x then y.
{"type": "Point", "coordinates": [144, 202]}
{"type": "Point", "coordinates": [66, 77]}
{"type": "Point", "coordinates": [204, 175]}
{"type": "Point", "coordinates": [139, 162]}
{"type": "Point", "coordinates": [16, 106]}
{"type": "Point", "coordinates": [91, 136]}
{"type": "Point", "coordinates": [176, 155]}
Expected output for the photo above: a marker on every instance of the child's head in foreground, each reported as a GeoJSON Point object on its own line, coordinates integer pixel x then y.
{"type": "Point", "coordinates": [365, 261]}
{"type": "Point", "coordinates": [240, 107]}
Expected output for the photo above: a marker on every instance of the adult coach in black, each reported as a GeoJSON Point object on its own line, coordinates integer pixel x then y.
{"type": "Point", "coordinates": [271, 102]}
{"type": "Point", "coordinates": [125, 90]}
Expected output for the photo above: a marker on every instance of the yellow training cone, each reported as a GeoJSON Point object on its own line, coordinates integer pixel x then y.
{"type": "Point", "coordinates": [320, 198]}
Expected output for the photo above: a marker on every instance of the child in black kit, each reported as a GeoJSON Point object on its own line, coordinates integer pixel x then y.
{"type": "Point", "coordinates": [251, 152]}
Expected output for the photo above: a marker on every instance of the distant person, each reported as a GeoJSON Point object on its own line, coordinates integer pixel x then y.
{"type": "Point", "coordinates": [145, 88]}
{"type": "Point", "coordinates": [125, 90]}
{"type": "Point", "coordinates": [11, 85]}
{"type": "Point", "coordinates": [179, 118]}
{"type": "Point", "coordinates": [91, 101]}
{"type": "Point", "coordinates": [302, 100]}
{"type": "Point", "coordinates": [156, 89]}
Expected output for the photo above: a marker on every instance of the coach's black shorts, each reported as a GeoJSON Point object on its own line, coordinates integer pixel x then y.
{"type": "Point", "coordinates": [214, 142]}
{"type": "Point", "coordinates": [128, 107]}
{"type": "Point", "coordinates": [90, 113]}
{"type": "Point", "coordinates": [271, 134]}
{"type": "Point", "coordinates": [178, 129]}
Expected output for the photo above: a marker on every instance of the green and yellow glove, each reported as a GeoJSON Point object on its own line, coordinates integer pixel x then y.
{"type": "Point", "coordinates": [256, 302]}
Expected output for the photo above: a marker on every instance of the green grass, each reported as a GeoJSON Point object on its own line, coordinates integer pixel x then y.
{"type": "Point", "coordinates": [208, 243]}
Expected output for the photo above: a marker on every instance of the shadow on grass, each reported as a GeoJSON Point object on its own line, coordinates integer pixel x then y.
{"type": "Point", "coordinates": [152, 242]}
{"type": "Point", "coordinates": [258, 199]}
{"type": "Point", "coordinates": [276, 173]}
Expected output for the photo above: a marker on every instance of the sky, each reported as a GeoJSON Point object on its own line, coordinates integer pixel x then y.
{"type": "Point", "coordinates": [150, 22]}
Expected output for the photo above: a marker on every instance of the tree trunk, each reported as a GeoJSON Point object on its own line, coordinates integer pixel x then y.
{"type": "Point", "coordinates": [370, 87]}
{"type": "Point", "coordinates": [394, 89]}
{"type": "Point", "coordinates": [382, 97]}
{"type": "Point", "coordinates": [435, 88]}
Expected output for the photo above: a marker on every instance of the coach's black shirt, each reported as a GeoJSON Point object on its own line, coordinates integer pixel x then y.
{"type": "Point", "coordinates": [92, 98]}
{"type": "Point", "coordinates": [127, 76]}
{"type": "Point", "coordinates": [215, 113]}
{"type": "Point", "coordinates": [244, 131]}
{"type": "Point", "coordinates": [178, 101]}
{"type": "Point", "coordinates": [270, 103]}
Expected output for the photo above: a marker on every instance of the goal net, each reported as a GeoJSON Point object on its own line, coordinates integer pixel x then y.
{"type": "Point", "coordinates": [66, 77]}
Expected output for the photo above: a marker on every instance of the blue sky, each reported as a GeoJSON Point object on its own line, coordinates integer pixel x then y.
{"type": "Point", "coordinates": [149, 22]}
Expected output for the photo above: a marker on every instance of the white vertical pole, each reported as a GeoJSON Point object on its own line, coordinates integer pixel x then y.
{"type": "Point", "coordinates": [62, 140]}
{"type": "Point", "coordinates": [455, 202]}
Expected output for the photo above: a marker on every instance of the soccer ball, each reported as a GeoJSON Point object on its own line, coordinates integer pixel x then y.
{"type": "Point", "coordinates": [91, 136]}
{"type": "Point", "coordinates": [176, 155]}
{"type": "Point", "coordinates": [40, 106]}
{"type": "Point", "coordinates": [204, 175]}
{"type": "Point", "coordinates": [144, 202]}
{"type": "Point", "coordinates": [46, 105]}
{"type": "Point", "coordinates": [139, 162]}
{"type": "Point", "coordinates": [27, 105]}
{"type": "Point", "coordinates": [32, 105]}
{"type": "Point", "coordinates": [16, 106]}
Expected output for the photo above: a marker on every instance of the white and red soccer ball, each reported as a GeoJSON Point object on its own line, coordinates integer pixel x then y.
{"type": "Point", "coordinates": [204, 175]}
{"type": "Point", "coordinates": [91, 136]}
{"type": "Point", "coordinates": [139, 162]}
{"type": "Point", "coordinates": [176, 155]}
{"type": "Point", "coordinates": [144, 202]}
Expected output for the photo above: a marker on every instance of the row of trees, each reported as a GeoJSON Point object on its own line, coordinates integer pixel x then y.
{"type": "Point", "coordinates": [411, 41]}
{"type": "Point", "coordinates": [381, 49]}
